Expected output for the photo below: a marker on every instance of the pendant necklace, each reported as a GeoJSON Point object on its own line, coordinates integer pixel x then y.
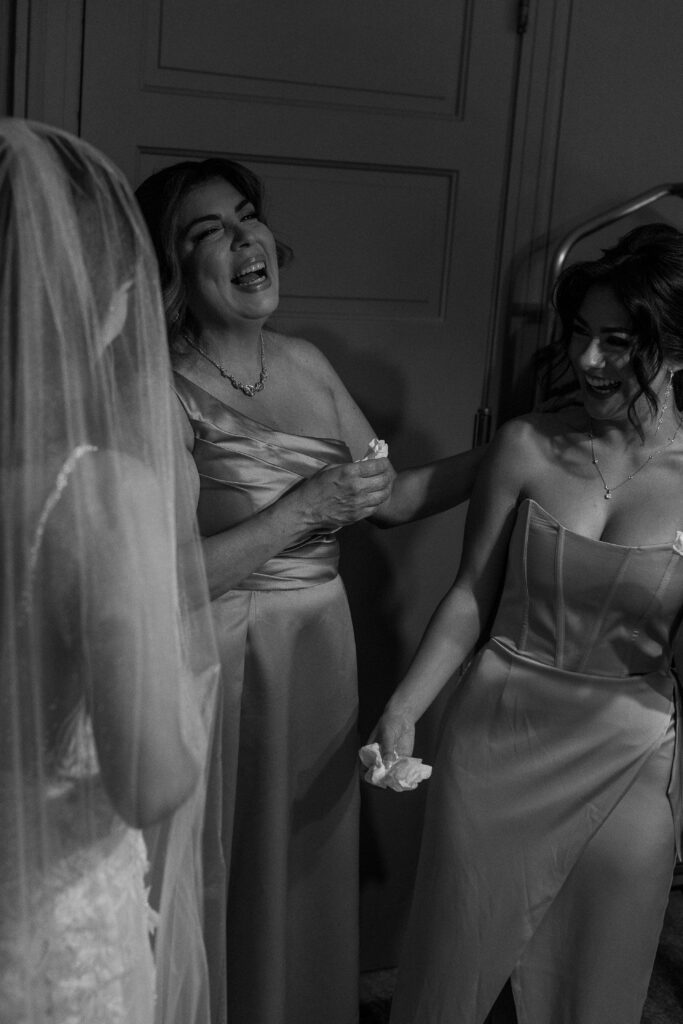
{"type": "Point", "coordinates": [653, 455]}
{"type": "Point", "coordinates": [610, 490]}
{"type": "Point", "coordinates": [247, 389]}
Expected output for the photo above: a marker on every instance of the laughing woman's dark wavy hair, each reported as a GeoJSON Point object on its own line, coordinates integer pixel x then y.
{"type": "Point", "coordinates": [160, 198]}
{"type": "Point", "coordinates": [645, 271]}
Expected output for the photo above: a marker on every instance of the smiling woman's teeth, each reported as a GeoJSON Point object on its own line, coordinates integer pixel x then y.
{"type": "Point", "coordinates": [253, 274]}
{"type": "Point", "coordinates": [601, 386]}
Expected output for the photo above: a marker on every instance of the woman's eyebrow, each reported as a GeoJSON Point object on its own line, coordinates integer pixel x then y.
{"type": "Point", "coordinates": [214, 216]}
{"type": "Point", "coordinates": [605, 329]}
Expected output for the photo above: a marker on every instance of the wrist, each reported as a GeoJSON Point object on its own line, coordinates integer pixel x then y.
{"type": "Point", "coordinates": [303, 509]}
{"type": "Point", "coordinates": [290, 517]}
{"type": "Point", "coordinates": [398, 708]}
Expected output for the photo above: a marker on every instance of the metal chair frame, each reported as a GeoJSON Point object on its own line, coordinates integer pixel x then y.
{"type": "Point", "coordinates": [602, 220]}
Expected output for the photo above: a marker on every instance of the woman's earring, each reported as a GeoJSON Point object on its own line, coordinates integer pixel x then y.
{"type": "Point", "coordinates": [665, 399]}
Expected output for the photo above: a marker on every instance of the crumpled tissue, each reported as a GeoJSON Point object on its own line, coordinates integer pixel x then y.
{"type": "Point", "coordinates": [376, 450]}
{"type": "Point", "coordinates": [396, 772]}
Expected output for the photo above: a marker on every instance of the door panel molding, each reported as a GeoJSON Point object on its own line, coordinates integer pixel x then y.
{"type": "Point", "coordinates": [421, 69]}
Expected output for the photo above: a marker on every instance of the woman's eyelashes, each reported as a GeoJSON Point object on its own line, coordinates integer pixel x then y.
{"type": "Point", "coordinates": [615, 340]}
{"type": "Point", "coordinates": [619, 341]}
{"type": "Point", "coordinates": [216, 228]}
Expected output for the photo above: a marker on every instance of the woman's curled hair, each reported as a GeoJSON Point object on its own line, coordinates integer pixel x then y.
{"type": "Point", "coordinates": [645, 272]}
{"type": "Point", "coordinates": [161, 196]}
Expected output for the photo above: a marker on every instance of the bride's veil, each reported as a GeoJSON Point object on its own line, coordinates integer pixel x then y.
{"type": "Point", "coordinates": [107, 660]}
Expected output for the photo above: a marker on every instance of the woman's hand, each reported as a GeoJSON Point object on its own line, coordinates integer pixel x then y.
{"type": "Point", "coordinates": [395, 733]}
{"type": "Point", "coordinates": [332, 498]}
{"type": "Point", "coordinates": [339, 495]}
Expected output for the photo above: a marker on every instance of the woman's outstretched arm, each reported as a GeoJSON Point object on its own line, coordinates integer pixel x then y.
{"type": "Point", "coordinates": [419, 491]}
{"type": "Point", "coordinates": [434, 487]}
{"type": "Point", "coordinates": [466, 610]}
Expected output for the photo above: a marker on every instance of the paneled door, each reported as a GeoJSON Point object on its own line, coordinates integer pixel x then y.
{"type": "Point", "coordinates": [382, 129]}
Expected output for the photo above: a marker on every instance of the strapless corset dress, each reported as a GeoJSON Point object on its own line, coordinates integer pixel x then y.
{"type": "Point", "coordinates": [554, 806]}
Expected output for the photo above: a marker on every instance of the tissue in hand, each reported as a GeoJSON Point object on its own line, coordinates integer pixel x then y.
{"type": "Point", "coordinates": [376, 450]}
{"type": "Point", "coordinates": [395, 772]}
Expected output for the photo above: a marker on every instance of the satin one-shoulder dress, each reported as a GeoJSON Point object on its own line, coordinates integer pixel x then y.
{"type": "Point", "coordinates": [554, 806]}
{"type": "Point", "coordinates": [289, 737]}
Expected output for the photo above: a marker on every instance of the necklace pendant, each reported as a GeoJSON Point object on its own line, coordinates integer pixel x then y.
{"type": "Point", "coordinates": [247, 389]}
{"type": "Point", "coordinates": [608, 494]}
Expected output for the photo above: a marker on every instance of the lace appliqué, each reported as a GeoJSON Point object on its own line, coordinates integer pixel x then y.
{"type": "Point", "coordinates": [86, 950]}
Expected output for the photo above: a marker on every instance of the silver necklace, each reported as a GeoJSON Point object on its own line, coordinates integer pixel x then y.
{"type": "Point", "coordinates": [665, 404]}
{"type": "Point", "coordinates": [247, 389]}
{"type": "Point", "coordinates": [610, 490]}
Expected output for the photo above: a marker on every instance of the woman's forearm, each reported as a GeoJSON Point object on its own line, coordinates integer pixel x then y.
{"type": "Point", "coordinates": [233, 554]}
{"type": "Point", "coordinates": [425, 490]}
{"type": "Point", "coordinates": [450, 636]}
{"type": "Point", "coordinates": [332, 498]}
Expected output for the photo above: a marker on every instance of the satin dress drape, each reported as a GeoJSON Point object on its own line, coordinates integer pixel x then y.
{"type": "Point", "coordinates": [289, 739]}
{"type": "Point", "coordinates": [554, 805]}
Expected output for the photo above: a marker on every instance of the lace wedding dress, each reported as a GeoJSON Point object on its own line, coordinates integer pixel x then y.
{"type": "Point", "coordinates": [80, 951]}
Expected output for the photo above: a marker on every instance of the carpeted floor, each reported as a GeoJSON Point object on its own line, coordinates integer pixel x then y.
{"type": "Point", "coordinates": [664, 1002]}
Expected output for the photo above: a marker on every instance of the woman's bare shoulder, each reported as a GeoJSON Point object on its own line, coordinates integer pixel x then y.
{"type": "Point", "coordinates": [535, 430]}
{"type": "Point", "coordinates": [302, 354]}
{"type": "Point", "coordinates": [521, 433]}
{"type": "Point", "coordinates": [524, 447]}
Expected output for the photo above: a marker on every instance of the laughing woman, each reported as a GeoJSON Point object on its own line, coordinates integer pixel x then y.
{"type": "Point", "coordinates": [278, 444]}
{"type": "Point", "coordinates": [554, 812]}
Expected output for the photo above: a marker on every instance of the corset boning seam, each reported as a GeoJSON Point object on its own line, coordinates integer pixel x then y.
{"type": "Point", "coordinates": [559, 599]}
{"type": "Point", "coordinates": [598, 624]}
{"type": "Point", "coordinates": [655, 597]}
{"type": "Point", "coordinates": [524, 631]}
